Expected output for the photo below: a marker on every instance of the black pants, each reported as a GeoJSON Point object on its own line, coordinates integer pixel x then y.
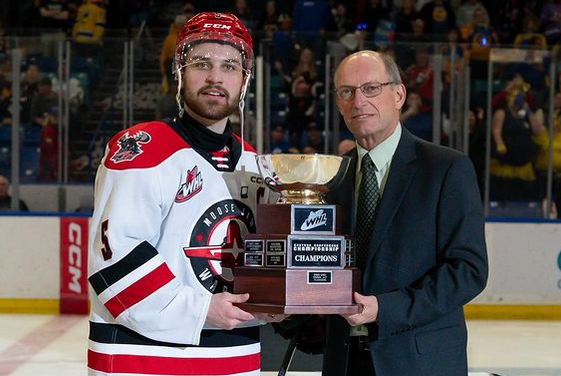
{"type": "Point", "coordinates": [360, 360]}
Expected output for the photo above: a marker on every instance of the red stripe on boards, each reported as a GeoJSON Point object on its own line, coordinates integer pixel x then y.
{"type": "Point", "coordinates": [158, 365]}
{"type": "Point", "coordinates": [139, 290]}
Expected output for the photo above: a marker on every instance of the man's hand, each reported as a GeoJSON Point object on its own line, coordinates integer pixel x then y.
{"type": "Point", "coordinates": [222, 312]}
{"type": "Point", "coordinates": [369, 311]}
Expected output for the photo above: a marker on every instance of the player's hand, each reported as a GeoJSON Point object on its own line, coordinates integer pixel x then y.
{"type": "Point", "coordinates": [223, 314]}
{"type": "Point", "coordinates": [270, 317]}
{"type": "Point", "coordinates": [369, 313]}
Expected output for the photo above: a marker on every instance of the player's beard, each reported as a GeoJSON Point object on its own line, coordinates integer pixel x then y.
{"type": "Point", "coordinates": [209, 108]}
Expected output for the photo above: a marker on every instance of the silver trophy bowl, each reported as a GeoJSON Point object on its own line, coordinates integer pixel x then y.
{"type": "Point", "coordinates": [302, 178]}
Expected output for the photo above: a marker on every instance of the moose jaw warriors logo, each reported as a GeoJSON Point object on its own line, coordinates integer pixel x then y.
{"type": "Point", "coordinates": [216, 243]}
{"type": "Point", "coordinates": [193, 185]}
{"type": "Point", "coordinates": [129, 146]}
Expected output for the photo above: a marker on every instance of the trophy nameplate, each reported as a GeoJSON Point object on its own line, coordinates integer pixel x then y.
{"type": "Point", "coordinates": [299, 261]}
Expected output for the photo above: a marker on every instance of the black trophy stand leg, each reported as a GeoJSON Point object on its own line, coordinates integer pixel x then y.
{"type": "Point", "coordinates": [288, 355]}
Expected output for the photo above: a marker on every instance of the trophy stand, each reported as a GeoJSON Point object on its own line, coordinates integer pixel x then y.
{"type": "Point", "coordinates": [298, 262]}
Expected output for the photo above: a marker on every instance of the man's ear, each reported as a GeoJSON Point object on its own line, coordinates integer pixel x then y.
{"type": "Point", "coordinates": [400, 96]}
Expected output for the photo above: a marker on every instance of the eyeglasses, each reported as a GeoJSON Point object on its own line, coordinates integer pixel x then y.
{"type": "Point", "coordinates": [369, 90]}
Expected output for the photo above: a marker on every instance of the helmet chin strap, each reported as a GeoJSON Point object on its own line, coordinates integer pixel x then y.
{"type": "Point", "coordinates": [178, 97]}
{"type": "Point", "coordinates": [241, 106]}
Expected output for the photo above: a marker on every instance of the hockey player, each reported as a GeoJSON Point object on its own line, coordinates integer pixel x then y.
{"type": "Point", "coordinates": [173, 201]}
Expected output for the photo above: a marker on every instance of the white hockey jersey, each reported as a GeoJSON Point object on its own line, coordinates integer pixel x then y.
{"type": "Point", "coordinates": [166, 232]}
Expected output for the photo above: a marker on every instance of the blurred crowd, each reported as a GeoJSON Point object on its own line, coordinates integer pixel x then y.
{"type": "Point", "coordinates": [297, 34]}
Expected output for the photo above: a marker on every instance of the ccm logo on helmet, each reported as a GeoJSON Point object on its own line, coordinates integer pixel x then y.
{"type": "Point", "coordinates": [217, 26]}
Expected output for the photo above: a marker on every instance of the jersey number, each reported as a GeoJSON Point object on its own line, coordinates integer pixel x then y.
{"type": "Point", "coordinates": [106, 249]}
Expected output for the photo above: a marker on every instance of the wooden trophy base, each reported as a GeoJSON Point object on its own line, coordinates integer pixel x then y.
{"type": "Point", "coordinates": [297, 291]}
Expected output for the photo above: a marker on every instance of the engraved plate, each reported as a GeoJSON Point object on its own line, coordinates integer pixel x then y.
{"type": "Point", "coordinates": [313, 219]}
{"type": "Point", "coordinates": [253, 259]}
{"type": "Point", "coordinates": [320, 277]}
{"type": "Point", "coordinates": [276, 246]}
{"type": "Point", "coordinates": [275, 260]}
{"type": "Point", "coordinates": [252, 246]}
{"type": "Point", "coordinates": [316, 251]}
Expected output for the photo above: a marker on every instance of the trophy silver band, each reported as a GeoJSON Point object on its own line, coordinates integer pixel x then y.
{"type": "Point", "coordinates": [299, 261]}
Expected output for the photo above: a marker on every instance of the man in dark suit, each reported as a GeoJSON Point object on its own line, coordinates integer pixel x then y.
{"type": "Point", "coordinates": [425, 254]}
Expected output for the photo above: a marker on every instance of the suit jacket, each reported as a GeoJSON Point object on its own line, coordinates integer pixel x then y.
{"type": "Point", "coordinates": [427, 258]}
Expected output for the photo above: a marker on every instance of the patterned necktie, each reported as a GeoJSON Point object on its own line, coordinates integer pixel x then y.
{"type": "Point", "coordinates": [367, 206]}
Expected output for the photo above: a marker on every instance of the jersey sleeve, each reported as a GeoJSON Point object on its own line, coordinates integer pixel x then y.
{"type": "Point", "coordinates": [127, 273]}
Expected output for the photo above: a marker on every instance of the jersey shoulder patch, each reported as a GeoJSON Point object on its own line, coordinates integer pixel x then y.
{"type": "Point", "coordinates": [144, 145]}
{"type": "Point", "coordinates": [246, 146]}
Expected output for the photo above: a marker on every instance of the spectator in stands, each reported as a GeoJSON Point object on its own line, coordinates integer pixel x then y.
{"type": "Point", "coordinates": [29, 87]}
{"type": "Point", "coordinates": [89, 28]}
{"type": "Point", "coordinates": [48, 147]}
{"type": "Point", "coordinates": [340, 22]}
{"type": "Point", "coordinates": [541, 139]}
{"type": "Point", "coordinates": [453, 59]}
{"type": "Point", "coordinates": [405, 47]}
{"type": "Point", "coordinates": [419, 77]}
{"type": "Point", "coordinates": [384, 34]}
{"type": "Point", "coordinates": [43, 101]}
{"type": "Point", "coordinates": [405, 16]}
{"type": "Point", "coordinates": [499, 100]}
{"type": "Point", "coordinates": [345, 145]}
{"type": "Point", "coordinates": [439, 18]}
{"type": "Point", "coordinates": [373, 12]}
{"type": "Point", "coordinates": [4, 56]}
{"type": "Point", "coordinates": [314, 137]}
{"type": "Point", "coordinates": [309, 23]}
{"type": "Point", "coordinates": [55, 18]}
{"type": "Point", "coordinates": [244, 13]}
{"type": "Point", "coordinates": [551, 21]}
{"type": "Point", "coordinates": [6, 199]}
{"type": "Point", "coordinates": [534, 70]}
{"type": "Point", "coordinates": [302, 99]}
{"type": "Point", "coordinates": [477, 144]}
{"type": "Point", "coordinates": [417, 122]}
{"type": "Point", "coordinates": [279, 142]}
{"type": "Point", "coordinates": [73, 87]}
{"type": "Point", "coordinates": [480, 38]}
{"type": "Point", "coordinates": [5, 114]}
{"type": "Point", "coordinates": [464, 14]}
{"type": "Point", "coordinates": [508, 18]}
{"type": "Point", "coordinates": [283, 45]}
{"type": "Point", "coordinates": [168, 50]}
{"type": "Point", "coordinates": [530, 37]}
{"type": "Point", "coordinates": [512, 127]}
{"type": "Point", "coordinates": [308, 149]}
{"type": "Point", "coordinates": [5, 99]}
{"type": "Point", "coordinates": [268, 22]}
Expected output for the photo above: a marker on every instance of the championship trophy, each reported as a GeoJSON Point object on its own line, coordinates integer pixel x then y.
{"type": "Point", "coordinates": [299, 261]}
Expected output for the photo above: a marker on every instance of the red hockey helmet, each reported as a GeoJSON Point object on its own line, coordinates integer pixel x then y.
{"type": "Point", "coordinates": [223, 28]}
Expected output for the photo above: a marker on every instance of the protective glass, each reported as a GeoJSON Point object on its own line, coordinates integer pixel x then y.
{"type": "Point", "coordinates": [228, 53]}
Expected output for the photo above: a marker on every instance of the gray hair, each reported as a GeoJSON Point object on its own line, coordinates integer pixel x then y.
{"type": "Point", "coordinates": [391, 68]}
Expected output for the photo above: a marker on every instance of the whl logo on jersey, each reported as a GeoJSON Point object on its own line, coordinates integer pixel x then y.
{"type": "Point", "coordinates": [315, 219]}
{"type": "Point", "coordinates": [193, 185]}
